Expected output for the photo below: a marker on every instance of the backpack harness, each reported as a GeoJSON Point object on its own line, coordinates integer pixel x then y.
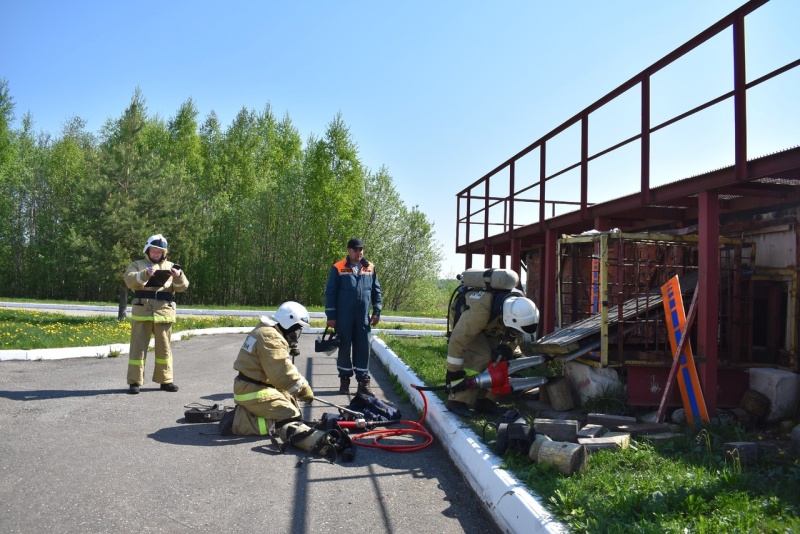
{"type": "Point", "coordinates": [458, 300]}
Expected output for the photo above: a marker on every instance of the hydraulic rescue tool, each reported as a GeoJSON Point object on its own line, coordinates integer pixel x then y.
{"type": "Point", "coordinates": [497, 377]}
{"type": "Point", "coordinates": [359, 422]}
{"type": "Point", "coordinates": [369, 435]}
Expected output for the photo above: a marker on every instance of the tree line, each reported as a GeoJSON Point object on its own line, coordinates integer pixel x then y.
{"type": "Point", "coordinates": [254, 215]}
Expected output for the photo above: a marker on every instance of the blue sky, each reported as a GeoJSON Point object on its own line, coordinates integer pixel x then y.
{"type": "Point", "coordinates": [439, 92]}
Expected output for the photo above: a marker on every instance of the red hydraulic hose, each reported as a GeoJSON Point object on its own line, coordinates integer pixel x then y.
{"type": "Point", "coordinates": [416, 429]}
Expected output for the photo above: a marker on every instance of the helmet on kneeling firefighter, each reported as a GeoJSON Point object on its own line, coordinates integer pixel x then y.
{"type": "Point", "coordinates": [520, 313]}
{"type": "Point", "coordinates": [292, 317]}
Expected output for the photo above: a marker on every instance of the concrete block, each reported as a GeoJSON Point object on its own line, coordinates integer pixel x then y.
{"type": "Point", "coordinates": [591, 431]}
{"type": "Point", "coordinates": [556, 429]}
{"type": "Point", "coordinates": [782, 388]}
{"type": "Point", "coordinates": [744, 451]}
{"type": "Point", "coordinates": [794, 437]}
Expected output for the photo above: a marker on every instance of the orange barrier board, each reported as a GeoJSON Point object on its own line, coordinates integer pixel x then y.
{"type": "Point", "coordinates": [693, 401]}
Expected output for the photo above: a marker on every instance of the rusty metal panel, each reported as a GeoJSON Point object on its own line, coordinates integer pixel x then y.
{"type": "Point", "coordinates": [646, 386]}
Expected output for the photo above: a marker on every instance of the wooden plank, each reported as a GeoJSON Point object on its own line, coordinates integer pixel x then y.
{"type": "Point", "coordinates": [645, 429]}
{"type": "Point", "coordinates": [663, 436]}
{"type": "Point", "coordinates": [610, 421]}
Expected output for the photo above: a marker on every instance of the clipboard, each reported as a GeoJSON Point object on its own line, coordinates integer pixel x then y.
{"type": "Point", "coordinates": [159, 278]}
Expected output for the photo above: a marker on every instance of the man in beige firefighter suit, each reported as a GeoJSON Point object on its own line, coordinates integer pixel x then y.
{"type": "Point", "coordinates": [478, 337]}
{"type": "Point", "coordinates": [153, 313]}
{"type": "Point", "coordinates": [268, 385]}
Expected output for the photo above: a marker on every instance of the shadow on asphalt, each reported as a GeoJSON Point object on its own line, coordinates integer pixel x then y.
{"type": "Point", "coordinates": [45, 394]}
{"type": "Point", "coordinates": [199, 434]}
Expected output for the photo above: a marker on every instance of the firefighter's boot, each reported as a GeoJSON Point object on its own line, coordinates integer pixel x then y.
{"type": "Point", "coordinates": [344, 385]}
{"type": "Point", "coordinates": [363, 387]}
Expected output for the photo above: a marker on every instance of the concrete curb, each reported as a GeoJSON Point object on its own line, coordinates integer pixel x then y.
{"type": "Point", "coordinates": [103, 351]}
{"type": "Point", "coordinates": [513, 508]}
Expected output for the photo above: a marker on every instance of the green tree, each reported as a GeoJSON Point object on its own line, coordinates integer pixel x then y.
{"type": "Point", "coordinates": [184, 219]}
{"type": "Point", "coordinates": [71, 160]}
{"type": "Point", "coordinates": [334, 208]}
{"type": "Point", "coordinates": [8, 186]}
{"type": "Point", "coordinates": [277, 233]}
{"type": "Point", "coordinates": [255, 215]}
{"type": "Point", "coordinates": [416, 257]}
{"type": "Point", "coordinates": [131, 197]}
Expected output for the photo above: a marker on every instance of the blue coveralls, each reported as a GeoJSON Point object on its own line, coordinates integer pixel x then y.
{"type": "Point", "coordinates": [347, 301]}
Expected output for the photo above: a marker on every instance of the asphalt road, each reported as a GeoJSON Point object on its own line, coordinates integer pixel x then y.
{"type": "Point", "coordinates": [80, 455]}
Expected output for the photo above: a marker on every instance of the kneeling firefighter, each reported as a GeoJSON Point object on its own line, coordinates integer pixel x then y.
{"type": "Point", "coordinates": [268, 386]}
{"type": "Point", "coordinates": [492, 318]}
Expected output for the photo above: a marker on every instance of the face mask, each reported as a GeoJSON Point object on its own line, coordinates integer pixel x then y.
{"type": "Point", "coordinates": [293, 336]}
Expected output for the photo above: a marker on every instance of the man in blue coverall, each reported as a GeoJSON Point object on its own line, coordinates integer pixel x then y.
{"type": "Point", "coordinates": [352, 287]}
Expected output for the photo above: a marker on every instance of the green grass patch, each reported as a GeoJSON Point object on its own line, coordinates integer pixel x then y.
{"type": "Point", "coordinates": [26, 330]}
{"type": "Point", "coordinates": [684, 485]}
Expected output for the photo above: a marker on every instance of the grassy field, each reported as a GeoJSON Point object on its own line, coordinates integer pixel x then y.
{"type": "Point", "coordinates": [684, 485]}
{"type": "Point", "coordinates": [25, 330]}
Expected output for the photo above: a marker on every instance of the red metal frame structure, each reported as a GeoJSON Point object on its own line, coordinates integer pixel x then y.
{"type": "Point", "coordinates": [746, 185]}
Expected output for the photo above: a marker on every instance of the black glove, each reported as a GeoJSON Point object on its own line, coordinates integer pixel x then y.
{"type": "Point", "coordinates": [456, 380]}
{"type": "Point", "coordinates": [502, 353]}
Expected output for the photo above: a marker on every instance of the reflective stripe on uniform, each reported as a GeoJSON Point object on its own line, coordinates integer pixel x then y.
{"type": "Point", "coordinates": [164, 361]}
{"type": "Point", "coordinates": [455, 361]}
{"type": "Point", "coordinates": [137, 363]}
{"type": "Point", "coordinates": [155, 319]}
{"type": "Point", "coordinates": [262, 426]}
{"type": "Point", "coordinates": [260, 394]}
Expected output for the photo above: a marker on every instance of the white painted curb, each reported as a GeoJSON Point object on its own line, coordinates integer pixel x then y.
{"type": "Point", "coordinates": [512, 506]}
{"type": "Point", "coordinates": [103, 351]}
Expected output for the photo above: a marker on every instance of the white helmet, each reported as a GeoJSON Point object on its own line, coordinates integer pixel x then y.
{"type": "Point", "coordinates": [521, 314]}
{"type": "Point", "coordinates": [290, 314]}
{"type": "Point", "coordinates": [156, 241]}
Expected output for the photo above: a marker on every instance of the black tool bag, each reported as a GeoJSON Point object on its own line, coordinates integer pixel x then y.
{"type": "Point", "coordinates": [205, 414]}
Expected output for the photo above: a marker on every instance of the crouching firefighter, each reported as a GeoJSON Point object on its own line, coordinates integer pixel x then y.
{"type": "Point", "coordinates": [267, 389]}
{"type": "Point", "coordinates": [491, 319]}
